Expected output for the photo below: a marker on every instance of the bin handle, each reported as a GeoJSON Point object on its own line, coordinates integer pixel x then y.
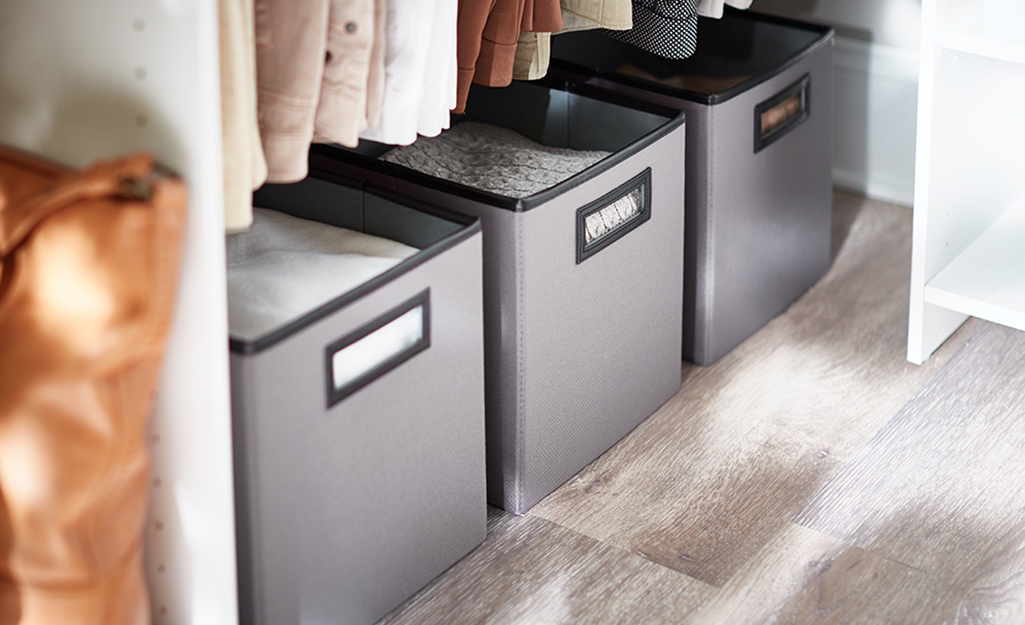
{"type": "Point", "coordinates": [782, 113]}
{"type": "Point", "coordinates": [376, 348]}
{"type": "Point", "coordinates": [607, 219]}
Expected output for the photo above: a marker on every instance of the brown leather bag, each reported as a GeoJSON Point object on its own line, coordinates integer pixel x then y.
{"type": "Point", "coordinates": [89, 271]}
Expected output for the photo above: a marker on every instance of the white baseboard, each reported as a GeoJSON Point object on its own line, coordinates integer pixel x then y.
{"type": "Point", "coordinates": [875, 110]}
{"type": "Point", "coordinates": [875, 58]}
{"type": "Point", "coordinates": [875, 187]}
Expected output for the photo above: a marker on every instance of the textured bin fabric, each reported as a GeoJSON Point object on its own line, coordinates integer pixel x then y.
{"type": "Point", "coordinates": [609, 356]}
{"type": "Point", "coordinates": [577, 355]}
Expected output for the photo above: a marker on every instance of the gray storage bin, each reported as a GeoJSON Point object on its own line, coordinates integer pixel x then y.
{"type": "Point", "coordinates": [352, 496]}
{"type": "Point", "coordinates": [758, 196]}
{"type": "Point", "coordinates": [582, 339]}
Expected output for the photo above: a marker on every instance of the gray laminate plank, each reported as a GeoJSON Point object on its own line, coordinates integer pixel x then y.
{"type": "Point", "coordinates": [716, 473]}
{"type": "Point", "coordinates": [993, 593]}
{"type": "Point", "coordinates": [845, 210]}
{"type": "Point", "coordinates": [803, 577]}
{"type": "Point", "coordinates": [941, 487]}
{"type": "Point", "coordinates": [532, 571]}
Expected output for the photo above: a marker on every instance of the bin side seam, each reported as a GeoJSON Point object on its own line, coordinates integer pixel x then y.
{"type": "Point", "coordinates": [521, 377]}
{"type": "Point", "coordinates": [706, 294]}
{"type": "Point", "coordinates": [247, 472]}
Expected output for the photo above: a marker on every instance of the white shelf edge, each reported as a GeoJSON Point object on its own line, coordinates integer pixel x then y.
{"type": "Point", "coordinates": [973, 307]}
{"type": "Point", "coordinates": [971, 35]}
{"type": "Point", "coordinates": [987, 280]}
{"type": "Point", "coordinates": [922, 339]}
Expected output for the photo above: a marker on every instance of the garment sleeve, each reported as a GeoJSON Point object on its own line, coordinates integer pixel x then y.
{"type": "Point", "coordinates": [375, 73]}
{"type": "Point", "coordinates": [714, 8]}
{"type": "Point", "coordinates": [408, 35]}
{"type": "Point", "coordinates": [291, 43]}
{"type": "Point", "coordinates": [494, 64]}
{"type": "Point", "coordinates": [533, 53]}
{"type": "Point", "coordinates": [533, 50]}
{"type": "Point", "coordinates": [342, 109]}
{"type": "Point", "coordinates": [472, 17]}
{"type": "Point", "coordinates": [244, 165]}
{"type": "Point", "coordinates": [439, 91]}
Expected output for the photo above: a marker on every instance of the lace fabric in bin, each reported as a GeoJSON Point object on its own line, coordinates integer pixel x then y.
{"type": "Point", "coordinates": [583, 277]}
{"type": "Point", "coordinates": [758, 97]}
{"type": "Point", "coordinates": [358, 414]}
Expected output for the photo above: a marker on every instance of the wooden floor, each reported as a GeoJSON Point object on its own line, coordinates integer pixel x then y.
{"type": "Point", "coordinates": [812, 475]}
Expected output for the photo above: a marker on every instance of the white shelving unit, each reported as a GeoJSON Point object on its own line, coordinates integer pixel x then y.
{"type": "Point", "coordinates": [968, 255]}
{"type": "Point", "coordinates": [92, 79]}
{"type": "Point", "coordinates": [971, 35]}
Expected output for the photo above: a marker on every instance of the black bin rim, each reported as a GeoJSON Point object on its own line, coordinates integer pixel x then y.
{"type": "Point", "coordinates": [826, 35]}
{"type": "Point", "coordinates": [470, 227]}
{"type": "Point", "coordinates": [555, 79]}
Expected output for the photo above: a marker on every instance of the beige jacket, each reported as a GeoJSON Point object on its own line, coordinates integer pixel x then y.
{"type": "Point", "coordinates": [316, 62]}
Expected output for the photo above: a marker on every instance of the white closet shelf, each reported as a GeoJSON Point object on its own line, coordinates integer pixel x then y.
{"type": "Point", "coordinates": [971, 35]}
{"type": "Point", "coordinates": [987, 279]}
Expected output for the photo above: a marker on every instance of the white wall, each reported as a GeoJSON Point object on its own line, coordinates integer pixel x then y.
{"type": "Point", "coordinates": [888, 22]}
{"type": "Point", "coordinates": [876, 92]}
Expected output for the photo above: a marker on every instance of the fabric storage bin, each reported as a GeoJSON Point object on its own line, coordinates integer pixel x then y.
{"type": "Point", "coordinates": [582, 335]}
{"type": "Point", "coordinates": [758, 97]}
{"type": "Point", "coordinates": [355, 487]}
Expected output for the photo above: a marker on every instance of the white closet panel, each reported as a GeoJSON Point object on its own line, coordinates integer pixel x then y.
{"type": "Point", "coordinates": [968, 255]}
{"type": "Point", "coordinates": [98, 78]}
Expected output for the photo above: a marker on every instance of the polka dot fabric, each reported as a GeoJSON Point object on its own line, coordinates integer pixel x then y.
{"type": "Point", "coordinates": [668, 28]}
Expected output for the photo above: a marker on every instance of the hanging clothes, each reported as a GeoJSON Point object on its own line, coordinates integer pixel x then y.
{"type": "Point", "coordinates": [245, 168]}
{"type": "Point", "coordinates": [533, 50]}
{"type": "Point", "coordinates": [488, 32]}
{"type": "Point", "coordinates": [375, 73]}
{"type": "Point", "coordinates": [533, 54]}
{"type": "Point", "coordinates": [668, 28]}
{"type": "Point", "coordinates": [714, 8]}
{"type": "Point", "coordinates": [407, 45]}
{"type": "Point", "coordinates": [420, 70]}
{"type": "Point", "coordinates": [314, 77]}
{"type": "Point", "coordinates": [439, 89]}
